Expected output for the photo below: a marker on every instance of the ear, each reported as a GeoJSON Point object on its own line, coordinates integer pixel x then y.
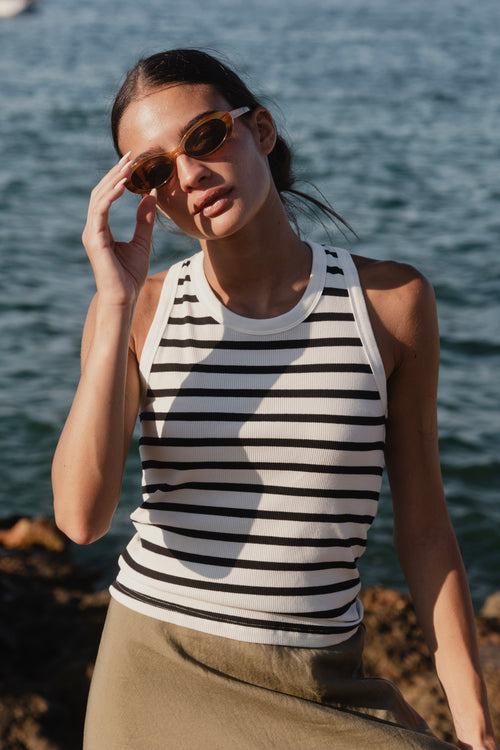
{"type": "Point", "coordinates": [265, 129]}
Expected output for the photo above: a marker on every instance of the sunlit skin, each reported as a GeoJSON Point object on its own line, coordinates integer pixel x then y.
{"type": "Point", "coordinates": [245, 234]}
{"type": "Point", "coordinates": [157, 121]}
{"type": "Point", "coordinates": [258, 267]}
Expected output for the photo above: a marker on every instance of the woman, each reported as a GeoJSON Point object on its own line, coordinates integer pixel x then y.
{"type": "Point", "coordinates": [286, 372]}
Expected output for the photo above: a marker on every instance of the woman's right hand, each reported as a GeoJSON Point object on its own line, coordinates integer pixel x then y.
{"type": "Point", "coordinates": [120, 268]}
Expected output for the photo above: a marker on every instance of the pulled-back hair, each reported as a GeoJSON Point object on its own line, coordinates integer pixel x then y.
{"type": "Point", "coordinates": [192, 66]}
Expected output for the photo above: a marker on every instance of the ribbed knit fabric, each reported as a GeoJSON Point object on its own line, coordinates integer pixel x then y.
{"type": "Point", "coordinates": [262, 452]}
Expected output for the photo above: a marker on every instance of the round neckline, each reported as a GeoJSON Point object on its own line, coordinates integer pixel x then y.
{"type": "Point", "coordinates": [277, 324]}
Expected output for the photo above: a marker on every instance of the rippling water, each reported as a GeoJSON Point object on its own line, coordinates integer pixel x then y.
{"type": "Point", "coordinates": [393, 109]}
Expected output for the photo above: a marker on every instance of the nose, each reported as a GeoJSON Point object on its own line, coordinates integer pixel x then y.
{"type": "Point", "coordinates": [190, 172]}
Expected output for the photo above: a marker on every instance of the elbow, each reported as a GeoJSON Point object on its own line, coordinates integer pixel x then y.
{"type": "Point", "coordinates": [79, 533]}
{"type": "Point", "coordinates": [80, 527]}
{"type": "Point", "coordinates": [81, 513]}
{"type": "Point", "coordinates": [424, 535]}
{"type": "Point", "coordinates": [428, 559]}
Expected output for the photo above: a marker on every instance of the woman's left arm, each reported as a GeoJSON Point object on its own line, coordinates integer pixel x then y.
{"type": "Point", "coordinates": [424, 538]}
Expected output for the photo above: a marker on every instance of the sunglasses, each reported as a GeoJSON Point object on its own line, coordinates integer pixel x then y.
{"type": "Point", "coordinates": [204, 138]}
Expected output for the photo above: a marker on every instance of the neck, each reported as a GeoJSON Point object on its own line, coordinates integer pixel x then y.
{"type": "Point", "coordinates": [262, 271]}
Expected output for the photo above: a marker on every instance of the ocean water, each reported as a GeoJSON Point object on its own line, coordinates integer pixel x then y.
{"type": "Point", "coordinates": [393, 110]}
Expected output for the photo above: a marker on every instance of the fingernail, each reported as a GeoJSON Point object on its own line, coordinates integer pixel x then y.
{"type": "Point", "coordinates": [154, 193]}
{"type": "Point", "coordinates": [126, 166]}
{"type": "Point", "coordinates": [125, 157]}
{"type": "Point", "coordinates": [119, 184]}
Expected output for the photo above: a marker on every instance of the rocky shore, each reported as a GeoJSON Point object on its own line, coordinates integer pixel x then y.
{"type": "Point", "coordinates": [52, 613]}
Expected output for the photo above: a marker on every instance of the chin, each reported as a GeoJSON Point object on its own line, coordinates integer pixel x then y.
{"type": "Point", "coordinates": [219, 227]}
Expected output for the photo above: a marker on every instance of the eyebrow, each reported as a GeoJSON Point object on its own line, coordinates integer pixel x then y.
{"type": "Point", "coordinates": [157, 151]}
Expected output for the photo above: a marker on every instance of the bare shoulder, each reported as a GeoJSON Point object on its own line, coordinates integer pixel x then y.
{"type": "Point", "coordinates": [401, 305]}
{"type": "Point", "coordinates": [145, 311]}
{"type": "Point", "coordinates": [389, 275]}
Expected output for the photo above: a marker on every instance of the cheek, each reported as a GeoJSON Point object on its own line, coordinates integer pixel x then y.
{"type": "Point", "coordinates": [165, 208]}
{"type": "Point", "coordinates": [172, 203]}
{"type": "Point", "coordinates": [256, 180]}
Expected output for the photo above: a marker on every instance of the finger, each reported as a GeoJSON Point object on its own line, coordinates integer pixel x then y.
{"type": "Point", "coordinates": [123, 161]}
{"type": "Point", "coordinates": [146, 213]}
{"type": "Point", "coordinates": [114, 178]}
{"type": "Point", "coordinates": [109, 189]}
{"type": "Point", "coordinates": [121, 167]}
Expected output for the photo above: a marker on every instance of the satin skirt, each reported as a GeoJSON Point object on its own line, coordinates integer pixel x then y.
{"type": "Point", "coordinates": [158, 686]}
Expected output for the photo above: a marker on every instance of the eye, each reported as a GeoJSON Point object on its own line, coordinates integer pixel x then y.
{"type": "Point", "coordinates": [158, 171]}
{"type": "Point", "coordinates": [206, 138]}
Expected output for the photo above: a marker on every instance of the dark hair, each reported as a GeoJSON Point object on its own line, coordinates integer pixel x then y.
{"type": "Point", "coordinates": [197, 67]}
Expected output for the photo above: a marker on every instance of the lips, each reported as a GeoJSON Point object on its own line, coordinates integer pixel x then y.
{"type": "Point", "coordinates": [211, 199]}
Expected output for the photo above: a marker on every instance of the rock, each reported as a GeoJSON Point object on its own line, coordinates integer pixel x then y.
{"type": "Point", "coordinates": [25, 730]}
{"type": "Point", "coordinates": [395, 650]}
{"type": "Point", "coordinates": [49, 633]}
{"type": "Point", "coordinates": [30, 532]}
{"type": "Point", "coordinates": [491, 607]}
{"type": "Point", "coordinates": [52, 618]}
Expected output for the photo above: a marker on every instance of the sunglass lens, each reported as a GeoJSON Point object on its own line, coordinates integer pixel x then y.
{"type": "Point", "coordinates": [153, 173]}
{"type": "Point", "coordinates": [206, 138]}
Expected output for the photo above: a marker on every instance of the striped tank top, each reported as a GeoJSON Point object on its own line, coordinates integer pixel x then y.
{"type": "Point", "coordinates": [262, 453]}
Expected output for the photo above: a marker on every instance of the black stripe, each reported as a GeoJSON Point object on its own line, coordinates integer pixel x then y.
{"type": "Point", "coordinates": [232, 588]}
{"type": "Point", "coordinates": [224, 562]}
{"type": "Point", "coordinates": [190, 416]}
{"type": "Point", "coordinates": [325, 614]}
{"type": "Point", "coordinates": [279, 541]}
{"type": "Point", "coordinates": [199, 442]}
{"type": "Point", "coordinates": [242, 393]}
{"type": "Point", "coordinates": [186, 298]}
{"type": "Point", "coordinates": [334, 292]}
{"type": "Point", "coordinates": [184, 280]}
{"type": "Point", "coordinates": [262, 345]}
{"type": "Point", "coordinates": [329, 317]}
{"type": "Point", "coordinates": [263, 466]}
{"type": "Point", "coordinates": [271, 515]}
{"type": "Point", "coordinates": [334, 270]}
{"type": "Point", "coordinates": [262, 489]}
{"type": "Point", "coordinates": [260, 369]}
{"type": "Point", "coordinates": [203, 321]}
{"type": "Point", "coordinates": [242, 621]}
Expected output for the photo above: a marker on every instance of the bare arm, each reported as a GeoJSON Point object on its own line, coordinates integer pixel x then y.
{"type": "Point", "coordinates": [88, 465]}
{"type": "Point", "coordinates": [424, 538]}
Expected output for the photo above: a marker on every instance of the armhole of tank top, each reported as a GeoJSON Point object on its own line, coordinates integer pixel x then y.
{"type": "Point", "coordinates": [160, 319]}
{"type": "Point", "coordinates": [364, 323]}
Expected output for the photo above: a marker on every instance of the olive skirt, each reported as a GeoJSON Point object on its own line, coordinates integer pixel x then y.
{"type": "Point", "coordinates": [158, 686]}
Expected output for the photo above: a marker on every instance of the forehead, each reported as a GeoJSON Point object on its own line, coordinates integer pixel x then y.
{"type": "Point", "coordinates": [158, 118]}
